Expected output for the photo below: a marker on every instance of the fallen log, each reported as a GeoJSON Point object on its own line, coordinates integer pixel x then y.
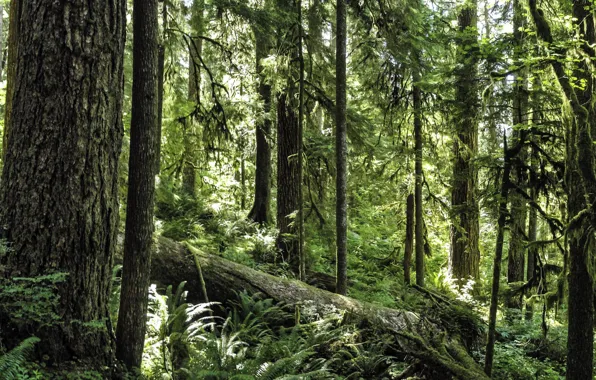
{"type": "Point", "coordinates": [174, 262]}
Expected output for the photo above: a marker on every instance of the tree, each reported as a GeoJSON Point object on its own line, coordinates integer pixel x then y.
{"type": "Point", "coordinates": [260, 212]}
{"type": "Point", "coordinates": [289, 146]}
{"type": "Point", "coordinates": [341, 150]}
{"type": "Point", "coordinates": [59, 195]}
{"type": "Point", "coordinates": [516, 256]}
{"type": "Point", "coordinates": [419, 225]}
{"type": "Point", "coordinates": [409, 243]}
{"type": "Point", "coordinates": [11, 68]}
{"type": "Point", "coordinates": [464, 258]}
{"type": "Point", "coordinates": [189, 171]}
{"type": "Point", "coordinates": [142, 168]}
{"type": "Point", "coordinates": [580, 182]}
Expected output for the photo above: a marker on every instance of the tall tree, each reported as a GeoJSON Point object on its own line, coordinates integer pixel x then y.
{"type": "Point", "coordinates": [580, 183]}
{"type": "Point", "coordinates": [289, 143]}
{"type": "Point", "coordinates": [419, 225]}
{"type": "Point", "coordinates": [260, 212]}
{"type": "Point", "coordinates": [341, 148]}
{"type": "Point", "coordinates": [517, 240]}
{"type": "Point", "coordinates": [59, 194]}
{"type": "Point", "coordinates": [142, 168]}
{"type": "Point", "coordinates": [464, 258]}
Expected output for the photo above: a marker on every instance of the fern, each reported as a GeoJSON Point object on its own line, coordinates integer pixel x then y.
{"type": "Point", "coordinates": [12, 361]}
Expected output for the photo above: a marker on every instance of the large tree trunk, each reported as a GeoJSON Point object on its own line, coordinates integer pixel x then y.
{"type": "Point", "coordinates": [517, 239]}
{"type": "Point", "coordinates": [144, 158]}
{"type": "Point", "coordinates": [173, 263]}
{"type": "Point", "coordinates": [59, 195]}
{"type": "Point", "coordinates": [288, 181]}
{"type": "Point", "coordinates": [260, 212]}
{"type": "Point", "coordinates": [341, 150]}
{"type": "Point", "coordinates": [464, 258]}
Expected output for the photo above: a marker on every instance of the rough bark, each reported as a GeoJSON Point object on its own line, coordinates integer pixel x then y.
{"type": "Point", "coordinates": [173, 263]}
{"type": "Point", "coordinates": [288, 181]}
{"type": "Point", "coordinates": [518, 209]}
{"type": "Point", "coordinates": [409, 243]}
{"type": "Point", "coordinates": [11, 68]}
{"type": "Point", "coordinates": [417, 97]}
{"type": "Point", "coordinates": [464, 258]}
{"type": "Point", "coordinates": [144, 155]}
{"type": "Point", "coordinates": [260, 212]}
{"type": "Point", "coordinates": [59, 195]}
{"type": "Point", "coordinates": [341, 150]}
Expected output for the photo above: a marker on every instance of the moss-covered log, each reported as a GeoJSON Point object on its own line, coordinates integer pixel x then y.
{"type": "Point", "coordinates": [174, 262]}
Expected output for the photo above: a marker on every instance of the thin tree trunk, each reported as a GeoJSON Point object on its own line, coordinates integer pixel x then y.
{"type": "Point", "coordinates": [464, 258]}
{"type": "Point", "coordinates": [144, 155]}
{"type": "Point", "coordinates": [59, 194]}
{"type": "Point", "coordinates": [302, 252]}
{"type": "Point", "coordinates": [341, 148]}
{"type": "Point", "coordinates": [418, 185]}
{"type": "Point", "coordinates": [494, 299]}
{"type": "Point", "coordinates": [189, 170]}
{"type": "Point", "coordinates": [260, 212]}
{"type": "Point", "coordinates": [409, 244]}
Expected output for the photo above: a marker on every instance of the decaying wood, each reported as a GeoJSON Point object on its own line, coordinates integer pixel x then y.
{"type": "Point", "coordinates": [174, 262]}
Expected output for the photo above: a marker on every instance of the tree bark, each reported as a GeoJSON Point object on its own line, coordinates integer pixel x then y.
{"type": "Point", "coordinates": [59, 195]}
{"type": "Point", "coordinates": [144, 155]}
{"type": "Point", "coordinates": [409, 244]}
{"type": "Point", "coordinates": [417, 97]}
{"type": "Point", "coordinates": [11, 67]}
{"type": "Point", "coordinates": [260, 212]}
{"type": "Point", "coordinates": [519, 209]}
{"type": "Point", "coordinates": [341, 150]}
{"type": "Point", "coordinates": [464, 258]}
{"type": "Point", "coordinates": [288, 181]}
{"type": "Point", "coordinates": [173, 263]}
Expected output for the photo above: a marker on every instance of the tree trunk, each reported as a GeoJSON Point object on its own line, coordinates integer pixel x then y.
{"type": "Point", "coordinates": [418, 185]}
{"type": "Point", "coordinates": [59, 195]}
{"type": "Point", "coordinates": [409, 244]}
{"type": "Point", "coordinates": [519, 209]}
{"type": "Point", "coordinates": [341, 150]}
{"type": "Point", "coordinates": [288, 181]}
{"type": "Point", "coordinates": [260, 212]}
{"type": "Point", "coordinates": [189, 170]}
{"type": "Point", "coordinates": [173, 263]}
{"type": "Point", "coordinates": [144, 156]}
{"type": "Point", "coordinates": [11, 67]}
{"type": "Point", "coordinates": [580, 184]}
{"type": "Point", "coordinates": [494, 299]}
{"type": "Point", "coordinates": [464, 258]}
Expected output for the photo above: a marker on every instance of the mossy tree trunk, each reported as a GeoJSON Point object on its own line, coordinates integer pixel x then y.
{"type": "Point", "coordinates": [59, 195]}
{"type": "Point", "coordinates": [464, 258]}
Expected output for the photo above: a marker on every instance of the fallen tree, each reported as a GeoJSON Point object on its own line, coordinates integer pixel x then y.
{"type": "Point", "coordinates": [174, 262]}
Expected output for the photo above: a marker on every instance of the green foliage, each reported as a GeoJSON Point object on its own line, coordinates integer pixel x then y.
{"type": "Point", "coordinates": [26, 300]}
{"type": "Point", "coordinates": [12, 363]}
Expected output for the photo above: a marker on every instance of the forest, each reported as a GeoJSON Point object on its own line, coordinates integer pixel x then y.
{"type": "Point", "coordinates": [297, 189]}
